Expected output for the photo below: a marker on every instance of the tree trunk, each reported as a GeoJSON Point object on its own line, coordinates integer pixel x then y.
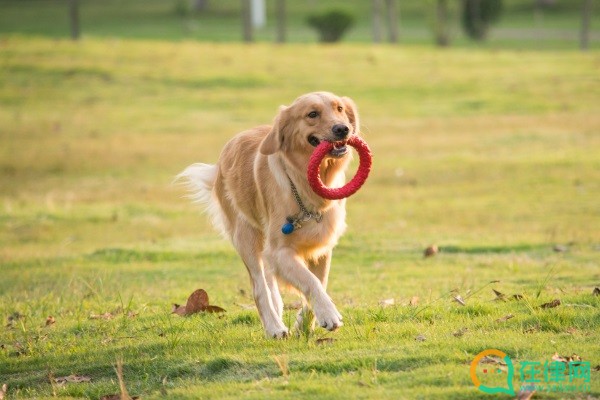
{"type": "Point", "coordinates": [442, 34]}
{"type": "Point", "coordinates": [586, 14]}
{"type": "Point", "coordinates": [377, 21]}
{"type": "Point", "coordinates": [199, 5]}
{"type": "Point", "coordinates": [74, 18]}
{"type": "Point", "coordinates": [281, 21]}
{"type": "Point", "coordinates": [392, 21]}
{"type": "Point", "coordinates": [247, 21]}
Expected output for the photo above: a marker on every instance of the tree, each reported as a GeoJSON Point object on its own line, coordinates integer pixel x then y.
{"type": "Point", "coordinates": [281, 21]}
{"type": "Point", "coordinates": [199, 5]}
{"type": "Point", "coordinates": [74, 19]}
{"type": "Point", "coordinates": [392, 13]}
{"type": "Point", "coordinates": [247, 29]}
{"type": "Point", "coordinates": [478, 15]}
{"type": "Point", "coordinates": [585, 24]}
{"type": "Point", "coordinates": [442, 27]}
{"type": "Point", "coordinates": [377, 21]}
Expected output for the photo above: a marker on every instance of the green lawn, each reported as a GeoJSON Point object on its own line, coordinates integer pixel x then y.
{"type": "Point", "coordinates": [493, 155]}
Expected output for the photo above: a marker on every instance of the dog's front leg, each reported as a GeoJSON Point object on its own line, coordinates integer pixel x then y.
{"type": "Point", "coordinates": [246, 241]}
{"type": "Point", "coordinates": [291, 268]}
{"type": "Point", "coordinates": [305, 319]}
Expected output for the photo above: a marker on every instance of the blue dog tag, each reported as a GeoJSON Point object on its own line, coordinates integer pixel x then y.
{"type": "Point", "coordinates": [287, 228]}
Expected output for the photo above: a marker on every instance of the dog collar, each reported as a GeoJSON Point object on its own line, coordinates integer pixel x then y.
{"type": "Point", "coordinates": [294, 222]}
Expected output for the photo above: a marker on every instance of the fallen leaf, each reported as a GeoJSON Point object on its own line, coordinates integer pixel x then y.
{"type": "Point", "coordinates": [214, 309]}
{"type": "Point", "coordinates": [571, 330]}
{"type": "Point", "coordinates": [197, 302]}
{"type": "Point", "coordinates": [492, 360]}
{"type": "Point", "coordinates": [460, 332]}
{"type": "Point", "coordinates": [387, 302]}
{"type": "Point", "coordinates": [50, 320]}
{"type": "Point", "coordinates": [106, 316]}
{"type": "Point", "coordinates": [525, 395]}
{"type": "Point", "coordinates": [499, 296]}
{"type": "Point", "coordinates": [597, 367]}
{"type": "Point", "coordinates": [72, 379]}
{"type": "Point", "coordinates": [505, 318]}
{"type": "Point", "coordinates": [532, 329]}
{"type": "Point", "coordinates": [431, 251]}
{"type": "Point", "coordinates": [459, 300]}
{"type": "Point", "coordinates": [118, 397]}
{"type": "Point", "coordinates": [554, 303]}
{"type": "Point", "coordinates": [414, 301]}
{"type": "Point", "coordinates": [421, 338]}
{"type": "Point", "coordinates": [596, 291]}
{"type": "Point", "coordinates": [293, 306]}
{"type": "Point", "coordinates": [326, 340]}
{"type": "Point", "coordinates": [517, 297]}
{"type": "Point", "coordinates": [566, 359]}
{"type": "Point", "coordinates": [560, 248]}
{"type": "Point", "coordinates": [3, 391]}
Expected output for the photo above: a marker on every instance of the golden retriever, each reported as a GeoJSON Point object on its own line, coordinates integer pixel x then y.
{"type": "Point", "coordinates": [259, 184]}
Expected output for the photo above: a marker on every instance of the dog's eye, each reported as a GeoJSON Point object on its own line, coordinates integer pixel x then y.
{"type": "Point", "coordinates": [340, 108]}
{"type": "Point", "coordinates": [313, 114]}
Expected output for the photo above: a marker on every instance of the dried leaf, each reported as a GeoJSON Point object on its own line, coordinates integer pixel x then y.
{"type": "Point", "coordinates": [3, 391]}
{"type": "Point", "coordinates": [532, 329]}
{"type": "Point", "coordinates": [571, 330]}
{"type": "Point", "coordinates": [560, 248]}
{"type": "Point", "coordinates": [459, 300]}
{"type": "Point", "coordinates": [460, 332]}
{"type": "Point", "coordinates": [499, 296]}
{"type": "Point", "coordinates": [50, 320]}
{"type": "Point", "coordinates": [431, 251]}
{"type": "Point", "coordinates": [596, 291]}
{"type": "Point", "coordinates": [525, 395]}
{"type": "Point", "coordinates": [106, 316]}
{"type": "Point", "coordinates": [326, 340]}
{"type": "Point", "coordinates": [492, 360]}
{"type": "Point", "coordinates": [517, 297]}
{"type": "Point", "coordinates": [566, 359]}
{"type": "Point", "coordinates": [387, 302]}
{"type": "Point", "coordinates": [421, 338]}
{"type": "Point", "coordinates": [505, 318]}
{"type": "Point", "coordinates": [414, 301]}
{"type": "Point", "coordinates": [554, 303]}
{"type": "Point", "coordinates": [118, 397]}
{"type": "Point", "coordinates": [293, 306]}
{"type": "Point", "coordinates": [597, 367]}
{"type": "Point", "coordinates": [213, 309]}
{"type": "Point", "coordinates": [72, 379]}
{"type": "Point", "coordinates": [197, 302]}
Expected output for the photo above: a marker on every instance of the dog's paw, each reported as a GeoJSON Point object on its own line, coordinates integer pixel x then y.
{"type": "Point", "coordinates": [328, 317]}
{"type": "Point", "coordinates": [277, 333]}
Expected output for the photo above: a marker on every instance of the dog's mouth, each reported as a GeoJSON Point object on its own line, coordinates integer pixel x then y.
{"type": "Point", "coordinates": [339, 148]}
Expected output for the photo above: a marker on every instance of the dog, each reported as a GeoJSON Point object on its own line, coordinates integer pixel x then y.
{"type": "Point", "coordinates": [259, 184]}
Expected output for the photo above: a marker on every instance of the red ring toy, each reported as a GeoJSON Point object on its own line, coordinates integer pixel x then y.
{"type": "Point", "coordinates": [314, 166]}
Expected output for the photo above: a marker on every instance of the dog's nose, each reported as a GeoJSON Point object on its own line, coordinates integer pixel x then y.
{"type": "Point", "coordinates": [340, 131]}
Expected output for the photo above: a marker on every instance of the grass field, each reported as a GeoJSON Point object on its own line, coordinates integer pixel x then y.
{"type": "Point", "coordinates": [492, 155]}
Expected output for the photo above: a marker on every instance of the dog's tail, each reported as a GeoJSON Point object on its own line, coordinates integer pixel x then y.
{"type": "Point", "coordinates": [200, 181]}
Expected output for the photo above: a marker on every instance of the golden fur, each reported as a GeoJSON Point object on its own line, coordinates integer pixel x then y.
{"type": "Point", "coordinates": [249, 196]}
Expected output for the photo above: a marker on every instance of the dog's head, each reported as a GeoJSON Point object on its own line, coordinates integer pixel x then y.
{"type": "Point", "coordinates": [312, 118]}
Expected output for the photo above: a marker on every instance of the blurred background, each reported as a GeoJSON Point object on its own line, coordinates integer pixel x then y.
{"type": "Point", "coordinates": [533, 24]}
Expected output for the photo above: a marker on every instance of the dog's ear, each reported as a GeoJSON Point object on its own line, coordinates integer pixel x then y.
{"type": "Point", "coordinates": [274, 139]}
{"type": "Point", "coordinates": [352, 113]}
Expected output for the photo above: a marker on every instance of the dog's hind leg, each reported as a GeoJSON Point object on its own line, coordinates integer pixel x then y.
{"type": "Point", "coordinates": [248, 243]}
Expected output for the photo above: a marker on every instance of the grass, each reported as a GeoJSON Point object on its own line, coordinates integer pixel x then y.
{"type": "Point", "coordinates": [492, 155]}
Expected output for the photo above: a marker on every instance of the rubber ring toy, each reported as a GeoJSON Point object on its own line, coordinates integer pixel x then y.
{"type": "Point", "coordinates": [364, 167]}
